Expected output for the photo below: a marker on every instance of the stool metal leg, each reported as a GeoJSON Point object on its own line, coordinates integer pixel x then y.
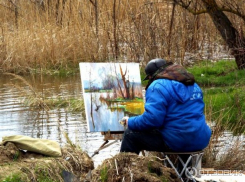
{"type": "Point", "coordinates": [184, 164]}
{"type": "Point", "coordinates": [172, 165]}
{"type": "Point", "coordinates": [195, 163]}
{"type": "Point", "coordinates": [193, 158]}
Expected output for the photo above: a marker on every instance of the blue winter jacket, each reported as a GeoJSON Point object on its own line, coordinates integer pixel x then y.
{"type": "Point", "coordinates": [177, 111]}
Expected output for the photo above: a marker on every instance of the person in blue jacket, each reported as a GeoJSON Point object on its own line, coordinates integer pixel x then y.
{"type": "Point", "coordinates": [173, 119]}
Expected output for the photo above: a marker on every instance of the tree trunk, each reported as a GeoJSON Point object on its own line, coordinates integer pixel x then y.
{"type": "Point", "coordinates": [235, 42]}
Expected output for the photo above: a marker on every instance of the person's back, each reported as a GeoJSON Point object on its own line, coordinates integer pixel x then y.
{"type": "Point", "coordinates": [184, 127]}
{"type": "Point", "coordinates": [173, 119]}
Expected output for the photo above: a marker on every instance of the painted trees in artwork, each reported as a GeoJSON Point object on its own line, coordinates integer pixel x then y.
{"type": "Point", "coordinates": [117, 80]}
{"type": "Point", "coordinates": [125, 81]}
{"type": "Point", "coordinates": [123, 84]}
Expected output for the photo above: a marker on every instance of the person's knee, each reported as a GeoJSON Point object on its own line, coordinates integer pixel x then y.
{"type": "Point", "coordinates": [129, 136]}
{"type": "Point", "coordinates": [127, 131]}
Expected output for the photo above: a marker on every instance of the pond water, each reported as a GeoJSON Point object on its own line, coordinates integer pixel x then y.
{"type": "Point", "coordinates": [16, 119]}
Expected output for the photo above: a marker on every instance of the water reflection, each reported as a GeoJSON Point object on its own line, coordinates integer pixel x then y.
{"type": "Point", "coordinates": [102, 119]}
{"type": "Point", "coordinates": [16, 119]}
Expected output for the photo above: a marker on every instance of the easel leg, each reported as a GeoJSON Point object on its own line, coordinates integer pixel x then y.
{"type": "Point", "coordinates": [97, 151]}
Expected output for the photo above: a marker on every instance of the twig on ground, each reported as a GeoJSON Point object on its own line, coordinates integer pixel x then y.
{"type": "Point", "coordinates": [116, 166]}
{"type": "Point", "coordinates": [131, 174]}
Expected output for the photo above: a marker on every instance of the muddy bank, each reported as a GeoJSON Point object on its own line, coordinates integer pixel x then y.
{"type": "Point", "coordinates": [131, 167]}
{"type": "Point", "coordinates": [23, 166]}
{"type": "Point", "coordinates": [75, 165]}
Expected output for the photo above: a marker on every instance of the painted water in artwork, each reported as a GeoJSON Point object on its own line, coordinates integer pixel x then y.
{"type": "Point", "coordinates": [110, 91]}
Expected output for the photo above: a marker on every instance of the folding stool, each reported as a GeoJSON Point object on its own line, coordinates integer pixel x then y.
{"type": "Point", "coordinates": [191, 167]}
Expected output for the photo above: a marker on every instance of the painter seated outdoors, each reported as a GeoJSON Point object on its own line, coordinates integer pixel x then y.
{"type": "Point", "coordinates": [173, 119]}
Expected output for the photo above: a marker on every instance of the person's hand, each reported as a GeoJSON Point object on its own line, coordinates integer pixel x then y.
{"type": "Point", "coordinates": [124, 121]}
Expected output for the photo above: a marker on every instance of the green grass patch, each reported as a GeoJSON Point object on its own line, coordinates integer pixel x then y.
{"type": "Point", "coordinates": [16, 156]}
{"type": "Point", "coordinates": [71, 104]}
{"type": "Point", "coordinates": [226, 104]}
{"type": "Point", "coordinates": [223, 86]}
{"type": "Point", "coordinates": [208, 73]}
{"type": "Point", "coordinates": [104, 174]}
{"type": "Point", "coordinates": [43, 175]}
{"type": "Point", "coordinates": [13, 178]}
{"type": "Point", "coordinates": [221, 73]}
{"type": "Point", "coordinates": [60, 70]}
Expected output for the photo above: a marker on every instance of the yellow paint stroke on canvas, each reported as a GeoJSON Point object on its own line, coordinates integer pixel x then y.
{"type": "Point", "coordinates": [135, 107]}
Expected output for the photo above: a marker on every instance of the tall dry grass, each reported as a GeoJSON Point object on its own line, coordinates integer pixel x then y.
{"type": "Point", "coordinates": [225, 150]}
{"type": "Point", "coordinates": [57, 34]}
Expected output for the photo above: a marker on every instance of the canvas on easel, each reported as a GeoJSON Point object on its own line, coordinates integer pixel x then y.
{"type": "Point", "coordinates": [110, 91]}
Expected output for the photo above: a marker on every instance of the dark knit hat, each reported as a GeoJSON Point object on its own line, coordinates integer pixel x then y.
{"type": "Point", "coordinates": [154, 65]}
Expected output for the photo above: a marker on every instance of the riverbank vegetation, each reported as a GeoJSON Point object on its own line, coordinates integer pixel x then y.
{"type": "Point", "coordinates": [36, 98]}
{"type": "Point", "coordinates": [223, 86]}
{"type": "Point", "coordinates": [32, 166]}
{"type": "Point", "coordinates": [53, 37]}
{"type": "Point", "coordinates": [39, 36]}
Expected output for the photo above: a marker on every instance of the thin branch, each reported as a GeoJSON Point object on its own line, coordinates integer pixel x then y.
{"type": "Point", "coordinates": [182, 4]}
{"type": "Point", "coordinates": [131, 174]}
{"type": "Point", "coordinates": [187, 7]}
{"type": "Point", "coordinates": [92, 2]}
{"type": "Point", "coordinates": [116, 166]}
{"type": "Point", "coordinates": [13, 3]}
{"type": "Point", "coordinates": [170, 29]}
{"type": "Point", "coordinates": [202, 11]}
{"type": "Point", "coordinates": [234, 12]}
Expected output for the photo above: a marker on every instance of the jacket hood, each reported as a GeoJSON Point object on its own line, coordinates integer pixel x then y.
{"type": "Point", "coordinates": [173, 72]}
{"type": "Point", "coordinates": [180, 92]}
{"type": "Point", "coordinates": [177, 73]}
{"type": "Point", "coordinates": [182, 82]}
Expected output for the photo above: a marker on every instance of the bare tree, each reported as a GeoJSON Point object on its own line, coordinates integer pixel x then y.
{"type": "Point", "coordinates": [220, 12]}
{"type": "Point", "coordinates": [115, 30]}
{"type": "Point", "coordinates": [96, 12]}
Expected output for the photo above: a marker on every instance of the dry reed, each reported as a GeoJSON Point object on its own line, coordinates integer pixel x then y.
{"type": "Point", "coordinates": [30, 95]}
{"type": "Point", "coordinates": [37, 35]}
{"type": "Point", "coordinates": [225, 151]}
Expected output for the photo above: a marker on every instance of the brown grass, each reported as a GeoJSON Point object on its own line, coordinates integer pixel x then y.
{"type": "Point", "coordinates": [31, 166]}
{"type": "Point", "coordinates": [219, 156]}
{"type": "Point", "coordinates": [58, 34]}
{"type": "Point", "coordinates": [225, 150]}
{"type": "Point", "coordinates": [32, 97]}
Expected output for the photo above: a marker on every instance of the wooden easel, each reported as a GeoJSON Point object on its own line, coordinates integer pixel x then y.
{"type": "Point", "coordinates": [109, 135]}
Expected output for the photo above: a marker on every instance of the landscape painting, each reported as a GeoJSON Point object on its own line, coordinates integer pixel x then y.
{"type": "Point", "coordinates": [110, 91]}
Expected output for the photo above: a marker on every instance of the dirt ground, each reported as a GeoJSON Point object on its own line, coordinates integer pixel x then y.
{"type": "Point", "coordinates": [75, 165]}
{"type": "Point", "coordinates": [131, 167]}
{"type": "Point", "coordinates": [23, 166]}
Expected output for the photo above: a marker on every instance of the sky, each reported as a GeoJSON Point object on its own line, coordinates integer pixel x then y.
{"type": "Point", "coordinates": [98, 71]}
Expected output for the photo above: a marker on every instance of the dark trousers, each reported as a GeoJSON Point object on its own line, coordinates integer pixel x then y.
{"type": "Point", "coordinates": [136, 141]}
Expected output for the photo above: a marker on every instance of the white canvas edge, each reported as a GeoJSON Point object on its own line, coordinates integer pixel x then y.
{"type": "Point", "coordinates": [86, 109]}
